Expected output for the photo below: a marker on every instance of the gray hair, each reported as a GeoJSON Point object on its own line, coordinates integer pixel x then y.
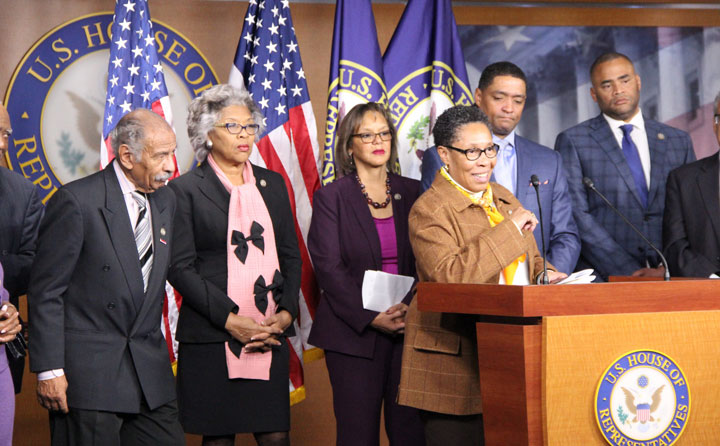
{"type": "Point", "coordinates": [717, 104]}
{"type": "Point", "coordinates": [204, 113]}
{"type": "Point", "coordinates": [130, 131]}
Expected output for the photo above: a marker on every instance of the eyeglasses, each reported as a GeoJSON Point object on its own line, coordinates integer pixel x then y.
{"type": "Point", "coordinates": [490, 151]}
{"type": "Point", "coordinates": [234, 128]}
{"type": "Point", "coordinates": [367, 138]}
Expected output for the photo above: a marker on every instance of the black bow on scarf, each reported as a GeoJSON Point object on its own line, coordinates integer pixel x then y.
{"type": "Point", "coordinates": [261, 290]}
{"type": "Point", "coordinates": [239, 239]}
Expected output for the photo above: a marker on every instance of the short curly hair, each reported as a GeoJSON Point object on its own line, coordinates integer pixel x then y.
{"type": "Point", "coordinates": [204, 112]}
{"type": "Point", "coordinates": [447, 125]}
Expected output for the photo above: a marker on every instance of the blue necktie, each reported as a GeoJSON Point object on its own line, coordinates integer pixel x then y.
{"type": "Point", "coordinates": [633, 159]}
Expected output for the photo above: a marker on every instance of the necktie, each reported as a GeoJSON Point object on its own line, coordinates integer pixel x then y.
{"type": "Point", "coordinates": [633, 159]}
{"type": "Point", "coordinates": [143, 237]}
{"type": "Point", "coordinates": [505, 169]}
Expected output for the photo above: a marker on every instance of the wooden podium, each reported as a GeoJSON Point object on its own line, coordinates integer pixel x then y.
{"type": "Point", "coordinates": [543, 349]}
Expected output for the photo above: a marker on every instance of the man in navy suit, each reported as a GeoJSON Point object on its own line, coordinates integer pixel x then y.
{"type": "Point", "coordinates": [628, 157]}
{"type": "Point", "coordinates": [691, 225]}
{"type": "Point", "coordinates": [501, 95]}
{"type": "Point", "coordinates": [20, 214]}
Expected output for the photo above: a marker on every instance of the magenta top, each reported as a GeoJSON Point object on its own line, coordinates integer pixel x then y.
{"type": "Point", "coordinates": [388, 244]}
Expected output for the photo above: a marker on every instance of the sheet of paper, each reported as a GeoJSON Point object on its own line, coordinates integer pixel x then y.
{"type": "Point", "coordinates": [584, 276]}
{"type": "Point", "coordinates": [381, 290]}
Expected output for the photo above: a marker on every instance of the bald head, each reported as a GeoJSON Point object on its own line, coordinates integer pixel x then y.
{"type": "Point", "coordinates": [5, 130]}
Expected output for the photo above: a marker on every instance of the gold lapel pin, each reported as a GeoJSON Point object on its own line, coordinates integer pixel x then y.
{"type": "Point", "coordinates": [661, 136]}
{"type": "Point", "coordinates": [263, 183]}
{"type": "Point", "coordinates": [162, 231]}
{"type": "Point", "coordinates": [397, 196]}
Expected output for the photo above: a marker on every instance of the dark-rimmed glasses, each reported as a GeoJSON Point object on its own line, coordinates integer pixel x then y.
{"type": "Point", "coordinates": [368, 138]}
{"type": "Point", "coordinates": [490, 151]}
{"type": "Point", "coordinates": [234, 128]}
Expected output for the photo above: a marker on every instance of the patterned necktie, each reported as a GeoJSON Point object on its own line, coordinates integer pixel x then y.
{"type": "Point", "coordinates": [143, 237]}
{"type": "Point", "coordinates": [633, 159]}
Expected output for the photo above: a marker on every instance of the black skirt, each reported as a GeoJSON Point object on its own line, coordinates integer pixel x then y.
{"type": "Point", "coordinates": [210, 403]}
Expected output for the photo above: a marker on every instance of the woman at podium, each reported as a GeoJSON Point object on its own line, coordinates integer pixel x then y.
{"type": "Point", "coordinates": [464, 229]}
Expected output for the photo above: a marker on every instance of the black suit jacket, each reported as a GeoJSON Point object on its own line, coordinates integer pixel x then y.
{"type": "Point", "coordinates": [198, 269]}
{"type": "Point", "coordinates": [343, 243]}
{"type": "Point", "coordinates": [84, 286]}
{"type": "Point", "coordinates": [20, 214]}
{"type": "Point", "coordinates": [691, 224]}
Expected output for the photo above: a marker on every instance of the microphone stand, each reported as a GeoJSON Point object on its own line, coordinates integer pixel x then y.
{"type": "Point", "coordinates": [536, 183]}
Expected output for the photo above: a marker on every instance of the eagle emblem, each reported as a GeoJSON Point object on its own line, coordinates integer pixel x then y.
{"type": "Point", "coordinates": [642, 403]}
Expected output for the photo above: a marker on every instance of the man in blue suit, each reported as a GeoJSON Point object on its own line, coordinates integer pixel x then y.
{"type": "Point", "coordinates": [501, 94]}
{"type": "Point", "coordinates": [628, 157]}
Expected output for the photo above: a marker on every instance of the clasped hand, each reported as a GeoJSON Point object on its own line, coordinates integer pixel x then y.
{"type": "Point", "coordinates": [9, 322]}
{"type": "Point", "coordinates": [524, 219]}
{"type": "Point", "coordinates": [392, 320]}
{"type": "Point", "coordinates": [258, 336]}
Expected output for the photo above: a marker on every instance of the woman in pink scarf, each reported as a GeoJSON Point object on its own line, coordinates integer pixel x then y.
{"type": "Point", "coordinates": [236, 263]}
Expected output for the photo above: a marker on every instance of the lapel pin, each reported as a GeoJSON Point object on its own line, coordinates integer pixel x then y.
{"type": "Point", "coordinates": [162, 231]}
{"type": "Point", "coordinates": [263, 183]}
{"type": "Point", "coordinates": [661, 136]}
{"type": "Point", "coordinates": [397, 196]}
{"type": "Point", "coordinates": [163, 241]}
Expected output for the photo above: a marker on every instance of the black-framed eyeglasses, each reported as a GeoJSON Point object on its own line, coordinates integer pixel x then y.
{"type": "Point", "coordinates": [367, 138]}
{"type": "Point", "coordinates": [490, 151]}
{"type": "Point", "coordinates": [234, 128]}
{"type": "Point", "coordinates": [717, 118]}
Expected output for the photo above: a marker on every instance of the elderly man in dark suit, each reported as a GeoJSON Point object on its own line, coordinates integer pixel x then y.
{"type": "Point", "coordinates": [96, 297]}
{"type": "Point", "coordinates": [20, 214]}
{"type": "Point", "coordinates": [628, 157]}
{"type": "Point", "coordinates": [691, 225]}
{"type": "Point", "coordinates": [501, 94]}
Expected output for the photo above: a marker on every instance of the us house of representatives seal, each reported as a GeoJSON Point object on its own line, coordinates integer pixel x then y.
{"type": "Point", "coordinates": [56, 98]}
{"type": "Point", "coordinates": [643, 399]}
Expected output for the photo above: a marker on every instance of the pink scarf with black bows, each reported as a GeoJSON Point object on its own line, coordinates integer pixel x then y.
{"type": "Point", "coordinates": [251, 260]}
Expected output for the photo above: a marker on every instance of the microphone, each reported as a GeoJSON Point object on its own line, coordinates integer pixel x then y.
{"type": "Point", "coordinates": [590, 185]}
{"type": "Point", "coordinates": [535, 181]}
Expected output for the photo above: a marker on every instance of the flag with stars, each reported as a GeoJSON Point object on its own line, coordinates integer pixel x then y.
{"type": "Point", "coordinates": [136, 80]}
{"type": "Point", "coordinates": [425, 75]}
{"type": "Point", "coordinates": [267, 63]}
{"type": "Point", "coordinates": [356, 71]}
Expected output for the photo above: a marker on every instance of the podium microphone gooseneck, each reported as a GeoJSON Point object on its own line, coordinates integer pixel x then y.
{"type": "Point", "coordinates": [590, 185]}
{"type": "Point", "coordinates": [536, 183]}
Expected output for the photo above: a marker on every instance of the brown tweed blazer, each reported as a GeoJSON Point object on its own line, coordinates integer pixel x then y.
{"type": "Point", "coordinates": [454, 243]}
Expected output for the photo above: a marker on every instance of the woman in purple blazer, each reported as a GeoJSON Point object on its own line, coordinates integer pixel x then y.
{"type": "Point", "coordinates": [359, 223]}
{"type": "Point", "coordinates": [9, 328]}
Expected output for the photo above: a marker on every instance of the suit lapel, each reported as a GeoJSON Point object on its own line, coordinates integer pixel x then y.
{"type": "Point", "coordinates": [364, 218]}
{"type": "Point", "coordinates": [212, 188]}
{"type": "Point", "coordinates": [709, 184]}
{"type": "Point", "coordinates": [121, 234]}
{"type": "Point", "coordinates": [400, 217]}
{"type": "Point", "coordinates": [658, 150]}
{"type": "Point", "coordinates": [522, 160]}
{"type": "Point", "coordinates": [161, 222]}
{"type": "Point", "coordinates": [603, 135]}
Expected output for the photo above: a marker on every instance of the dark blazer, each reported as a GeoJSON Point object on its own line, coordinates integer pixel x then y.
{"type": "Point", "coordinates": [343, 243]}
{"type": "Point", "coordinates": [691, 225]}
{"type": "Point", "coordinates": [590, 150]}
{"type": "Point", "coordinates": [198, 270]}
{"type": "Point", "coordinates": [561, 232]}
{"type": "Point", "coordinates": [88, 312]}
{"type": "Point", "coordinates": [20, 214]}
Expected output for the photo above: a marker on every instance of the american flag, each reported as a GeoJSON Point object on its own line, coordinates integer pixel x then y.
{"type": "Point", "coordinates": [136, 80]}
{"type": "Point", "coordinates": [267, 63]}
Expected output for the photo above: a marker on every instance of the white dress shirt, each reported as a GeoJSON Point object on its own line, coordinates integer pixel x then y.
{"type": "Point", "coordinates": [639, 137]}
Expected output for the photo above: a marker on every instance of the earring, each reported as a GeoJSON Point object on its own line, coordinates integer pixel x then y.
{"type": "Point", "coordinates": [352, 160]}
{"type": "Point", "coordinates": [208, 144]}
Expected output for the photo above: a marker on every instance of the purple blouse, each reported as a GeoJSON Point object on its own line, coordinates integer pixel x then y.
{"type": "Point", "coordinates": [388, 244]}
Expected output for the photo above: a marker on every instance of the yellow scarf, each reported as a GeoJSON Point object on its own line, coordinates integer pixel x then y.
{"type": "Point", "coordinates": [485, 200]}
